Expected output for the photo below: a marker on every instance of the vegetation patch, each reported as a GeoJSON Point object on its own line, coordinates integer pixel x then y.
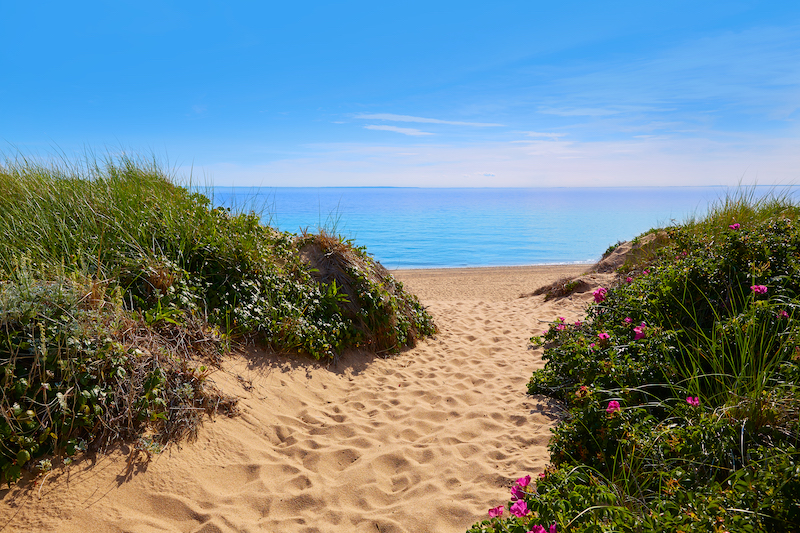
{"type": "Point", "coordinates": [682, 388]}
{"type": "Point", "coordinates": [119, 290]}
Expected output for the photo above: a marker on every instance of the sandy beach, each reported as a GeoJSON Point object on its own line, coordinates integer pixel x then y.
{"type": "Point", "coordinates": [423, 441]}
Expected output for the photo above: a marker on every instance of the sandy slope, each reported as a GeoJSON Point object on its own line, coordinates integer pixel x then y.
{"type": "Point", "coordinates": [427, 440]}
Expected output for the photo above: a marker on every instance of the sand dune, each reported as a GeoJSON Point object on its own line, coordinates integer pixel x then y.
{"type": "Point", "coordinates": [426, 440]}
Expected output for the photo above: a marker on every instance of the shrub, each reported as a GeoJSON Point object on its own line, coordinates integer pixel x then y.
{"type": "Point", "coordinates": [681, 386]}
{"type": "Point", "coordinates": [117, 287]}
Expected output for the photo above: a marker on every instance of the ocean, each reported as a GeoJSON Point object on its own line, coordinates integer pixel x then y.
{"type": "Point", "coordinates": [440, 228]}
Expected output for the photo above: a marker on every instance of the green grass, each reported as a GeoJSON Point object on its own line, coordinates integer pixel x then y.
{"type": "Point", "coordinates": [658, 462]}
{"type": "Point", "coordinates": [119, 289]}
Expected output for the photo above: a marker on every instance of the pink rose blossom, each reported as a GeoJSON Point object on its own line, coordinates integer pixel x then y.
{"type": "Point", "coordinates": [694, 402]}
{"type": "Point", "coordinates": [759, 289]}
{"type": "Point", "coordinates": [628, 279]}
{"type": "Point", "coordinates": [496, 511]}
{"type": "Point", "coordinates": [538, 529]}
{"type": "Point", "coordinates": [560, 327]}
{"type": "Point", "coordinates": [524, 481]}
{"type": "Point", "coordinates": [628, 320]}
{"type": "Point", "coordinates": [600, 294]}
{"type": "Point", "coordinates": [639, 330]}
{"type": "Point", "coordinates": [519, 509]}
{"type": "Point", "coordinates": [552, 528]}
{"type": "Point", "coordinates": [517, 493]}
{"type": "Point", "coordinates": [613, 407]}
{"type": "Point", "coordinates": [578, 324]}
{"type": "Point", "coordinates": [603, 336]}
{"type": "Point", "coordinates": [591, 345]}
{"type": "Point", "coordinates": [542, 475]}
{"type": "Point", "coordinates": [783, 314]}
{"type": "Point", "coordinates": [735, 225]}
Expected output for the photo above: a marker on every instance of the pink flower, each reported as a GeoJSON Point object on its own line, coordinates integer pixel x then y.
{"type": "Point", "coordinates": [613, 407]}
{"type": "Point", "coordinates": [646, 272]}
{"type": "Point", "coordinates": [628, 279]}
{"type": "Point", "coordinates": [639, 330]}
{"type": "Point", "coordinates": [578, 324]}
{"type": "Point", "coordinates": [628, 320]}
{"type": "Point", "coordinates": [759, 289]}
{"type": "Point", "coordinates": [542, 475]}
{"type": "Point", "coordinates": [603, 336]}
{"type": "Point", "coordinates": [694, 402]}
{"type": "Point", "coordinates": [600, 294]}
{"type": "Point", "coordinates": [552, 528]}
{"type": "Point", "coordinates": [560, 327]}
{"type": "Point", "coordinates": [517, 493]}
{"type": "Point", "coordinates": [561, 318]}
{"type": "Point", "coordinates": [538, 529]}
{"type": "Point", "coordinates": [524, 481]}
{"type": "Point", "coordinates": [735, 225]}
{"type": "Point", "coordinates": [591, 345]}
{"type": "Point", "coordinates": [520, 508]}
{"type": "Point", "coordinates": [783, 314]}
{"type": "Point", "coordinates": [496, 511]}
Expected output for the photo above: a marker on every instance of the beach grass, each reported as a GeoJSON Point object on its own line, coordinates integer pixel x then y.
{"type": "Point", "coordinates": [120, 289]}
{"type": "Point", "coordinates": [681, 387]}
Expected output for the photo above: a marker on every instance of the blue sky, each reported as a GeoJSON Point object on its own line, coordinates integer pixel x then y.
{"type": "Point", "coordinates": [414, 93]}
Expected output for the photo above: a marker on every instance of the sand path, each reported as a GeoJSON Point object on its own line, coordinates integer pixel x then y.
{"type": "Point", "coordinates": [425, 441]}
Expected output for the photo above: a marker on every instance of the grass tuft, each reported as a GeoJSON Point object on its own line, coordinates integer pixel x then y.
{"type": "Point", "coordinates": [119, 290]}
{"type": "Point", "coordinates": [681, 385]}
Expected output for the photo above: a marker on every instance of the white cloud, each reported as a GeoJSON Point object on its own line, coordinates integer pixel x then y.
{"type": "Point", "coordinates": [578, 111]}
{"type": "Point", "coordinates": [423, 120]}
{"type": "Point", "coordinates": [542, 163]}
{"type": "Point", "coordinates": [404, 131]}
{"type": "Point", "coordinates": [548, 135]}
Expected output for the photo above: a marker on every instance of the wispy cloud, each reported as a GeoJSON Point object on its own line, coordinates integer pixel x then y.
{"type": "Point", "coordinates": [404, 131]}
{"type": "Point", "coordinates": [548, 135]}
{"type": "Point", "coordinates": [423, 120]}
{"type": "Point", "coordinates": [542, 163]}
{"type": "Point", "coordinates": [578, 111]}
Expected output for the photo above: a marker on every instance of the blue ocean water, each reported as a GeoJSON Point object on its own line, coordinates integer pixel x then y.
{"type": "Point", "coordinates": [432, 228]}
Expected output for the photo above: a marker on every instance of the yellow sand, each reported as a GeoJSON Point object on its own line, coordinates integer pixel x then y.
{"type": "Point", "coordinates": [426, 440]}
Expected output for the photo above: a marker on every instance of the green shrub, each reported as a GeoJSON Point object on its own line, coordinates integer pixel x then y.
{"type": "Point", "coordinates": [681, 387]}
{"type": "Point", "coordinates": [118, 286]}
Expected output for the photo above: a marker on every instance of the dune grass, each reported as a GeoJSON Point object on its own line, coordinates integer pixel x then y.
{"type": "Point", "coordinates": [681, 386]}
{"type": "Point", "coordinates": [119, 290]}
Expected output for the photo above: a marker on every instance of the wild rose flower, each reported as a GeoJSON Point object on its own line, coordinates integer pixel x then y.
{"type": "Point", "coordinates": [759, 289]}
{"type": "Point", "coordinates": [613, 407]}
{"type": "Point", "coordinates": [600, 294]}
{"type": "Point", "coordinates": [735, 225]}
{"type": "Point", "coordinates": [639, 330]}
{"type": "Point", "coordinates": [561, 327]}
{"type": "Point", "coordinates": [783, 314]}
{"type": "Point", "coordinates": [603, 336]}
{"type": "Point", "coordinates": [538, 529]}
{"type": "Point", "coordinates": [628, 279]}
{"type": "Point", "coordinates": [517, 493]}
{"type": "Point", "coordinates": [578, 323]}
{"type": "Point", "coordinates": [519, 509]}
{"type": "Point", "coordinates": [524, 481]}
{"type": "Point", "coordinates": [694, 402]}
{"type": "Point", "coordinates": [542, 475]}
{"type": "Point", "coordinates": [628, 320]}
{"type": "Point", "coordinates": [591, 346]}
{"type": "Point", "coordinates": [496, 511]}
{"type": "Point", "coordinates": [552, 528]}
